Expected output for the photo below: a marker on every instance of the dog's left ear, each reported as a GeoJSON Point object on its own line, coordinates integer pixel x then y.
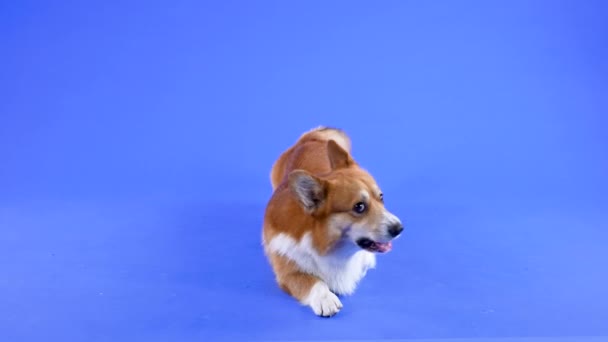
{"type": "Point", "coordinates": [338, 157]}
{"type": "Point", "coordinates": [308, 189]}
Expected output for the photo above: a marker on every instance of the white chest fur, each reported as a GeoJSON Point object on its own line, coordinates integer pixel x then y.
{"type": "Point", "coordinates": [341, 270]}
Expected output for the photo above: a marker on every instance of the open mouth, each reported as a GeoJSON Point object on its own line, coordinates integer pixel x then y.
{"type": "Point", "coordinates": [373, 246]}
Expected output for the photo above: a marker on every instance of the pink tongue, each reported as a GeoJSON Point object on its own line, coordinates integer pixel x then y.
{"type": "Point", "coordinates": [384, 247]}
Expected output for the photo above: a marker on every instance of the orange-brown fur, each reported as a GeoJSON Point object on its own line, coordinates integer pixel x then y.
{"type": "Point", "coordinates": [323, 154]}
{"type": "Point", "coordinates": [309, 153]}
{"type": "Point", "coordinates": [290, 279]}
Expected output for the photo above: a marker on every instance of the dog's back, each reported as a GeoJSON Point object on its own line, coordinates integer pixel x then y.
{"type": "Point", "coordinates": [308, 153]}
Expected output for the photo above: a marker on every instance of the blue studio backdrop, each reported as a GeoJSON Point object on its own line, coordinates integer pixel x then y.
{"type": "Point", "coordinates": [136, 140]}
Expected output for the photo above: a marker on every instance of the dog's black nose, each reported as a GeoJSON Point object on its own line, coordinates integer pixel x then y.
{"type": "Point", "coordinates": [395, 229]}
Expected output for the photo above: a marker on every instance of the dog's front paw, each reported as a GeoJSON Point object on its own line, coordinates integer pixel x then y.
{"type": "Point", "coordinates": [322, 301]}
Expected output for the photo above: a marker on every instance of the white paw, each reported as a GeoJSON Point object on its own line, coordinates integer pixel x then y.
{"type": "Point", "coordinates": [322, 301]}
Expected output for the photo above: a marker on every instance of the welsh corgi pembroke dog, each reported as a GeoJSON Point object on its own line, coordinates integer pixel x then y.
{"type": "Point", "coordinates": [325, 221]}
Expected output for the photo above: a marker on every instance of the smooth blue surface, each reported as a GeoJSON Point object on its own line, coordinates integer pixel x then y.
{"type": "Point", "coordinates": [136, 140]}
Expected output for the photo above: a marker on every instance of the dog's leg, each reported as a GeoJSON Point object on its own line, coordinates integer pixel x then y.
{"type": "Point", "coordinates": [307, 289]}
{"type": "Point", "coordinates": [312, 292]}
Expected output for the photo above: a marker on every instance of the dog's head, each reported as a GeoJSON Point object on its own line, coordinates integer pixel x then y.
{"type": "Point", "coordinates": [349, 201]}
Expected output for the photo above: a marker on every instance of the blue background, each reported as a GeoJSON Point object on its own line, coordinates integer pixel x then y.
{"type": "Point", "coordinates": [136, 140]}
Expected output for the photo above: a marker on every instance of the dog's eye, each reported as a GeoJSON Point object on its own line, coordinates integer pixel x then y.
{"type": "Point", "coordinates": [360, 207]}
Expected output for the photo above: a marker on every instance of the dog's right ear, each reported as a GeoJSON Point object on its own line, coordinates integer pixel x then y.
{"type": "Point", "coordinates": [308, 189]}
{"type": "Point", "coordinates": [338, 157]}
